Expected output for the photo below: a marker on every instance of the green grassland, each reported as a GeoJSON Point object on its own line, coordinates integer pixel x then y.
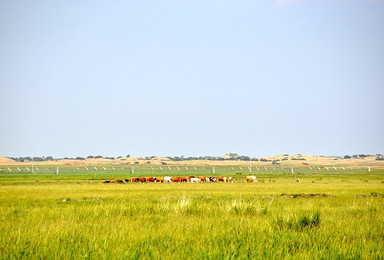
{"type": "Point", "coordinates": [328, 214]}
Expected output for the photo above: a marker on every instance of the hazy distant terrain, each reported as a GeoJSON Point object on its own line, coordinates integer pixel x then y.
{"type": "Point", "coordinates": [376, 161]}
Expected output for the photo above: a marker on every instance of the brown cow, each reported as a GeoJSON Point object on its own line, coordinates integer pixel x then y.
{"type": "Point", "coordinates": [142, 179]}
{"type": "Point", "coordinates": [150, 179]}
{"type": "Point", "coordinates": [202, 178]}
{"type": "Point", "coordinates": [220, 179]}
{"type": "Point", "coordinates": [159, 179]}
{"type": "Point", "coordinates": [175, 179]}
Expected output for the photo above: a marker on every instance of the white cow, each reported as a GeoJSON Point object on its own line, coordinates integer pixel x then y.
{"type": "Point", "coordinates": [167, 179]}
{"type": "Point", "coordinates": [195, 180]}
{"type": "Point", "coordinates": [251, 178]}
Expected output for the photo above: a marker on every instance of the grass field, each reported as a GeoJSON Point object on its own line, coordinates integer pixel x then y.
{"type": "Point", "coordinates": [71, 215]}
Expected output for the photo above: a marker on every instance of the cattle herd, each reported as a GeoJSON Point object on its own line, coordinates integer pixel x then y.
{"type": "Point", "coordinates": [191, 179]}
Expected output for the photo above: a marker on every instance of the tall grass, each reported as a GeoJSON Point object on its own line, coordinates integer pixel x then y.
{"type": "Point", "coordinates": [192, 221]}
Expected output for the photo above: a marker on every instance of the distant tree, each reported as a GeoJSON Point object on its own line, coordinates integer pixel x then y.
{"type": "Point", "coordinates": [90, 156]}
{"type": "Point", "coordinates": [98, 157]}
{"type": "Point", "coordinates": [347, 157]}
{"type": "Point", "coordinates": [128, 156]}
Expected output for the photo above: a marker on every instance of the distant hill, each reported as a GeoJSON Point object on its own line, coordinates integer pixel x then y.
{"type": "Point", "coordinates": [228, 159]}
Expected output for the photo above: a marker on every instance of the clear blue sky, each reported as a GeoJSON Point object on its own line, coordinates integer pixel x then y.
{"type": "Point", "coordinates": [191, 78]}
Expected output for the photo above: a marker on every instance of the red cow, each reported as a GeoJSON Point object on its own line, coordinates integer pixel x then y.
{"type": "Point", "coordinates": [142, 179]}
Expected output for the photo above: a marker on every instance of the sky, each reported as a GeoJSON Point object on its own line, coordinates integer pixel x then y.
{"type": "Point", "coordinates": [191, 78]}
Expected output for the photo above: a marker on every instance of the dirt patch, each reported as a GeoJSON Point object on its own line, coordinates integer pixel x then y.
{"type": "Point", "coordinates": [373, 194]}
{"type": "Point", "coordinates": [84, 199]}
{"type": "Point", "coordinates": [302, 195]}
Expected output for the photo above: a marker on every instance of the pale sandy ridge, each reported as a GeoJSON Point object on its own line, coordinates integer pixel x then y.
{"type": "Point", "coordinates": [280, 161]}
